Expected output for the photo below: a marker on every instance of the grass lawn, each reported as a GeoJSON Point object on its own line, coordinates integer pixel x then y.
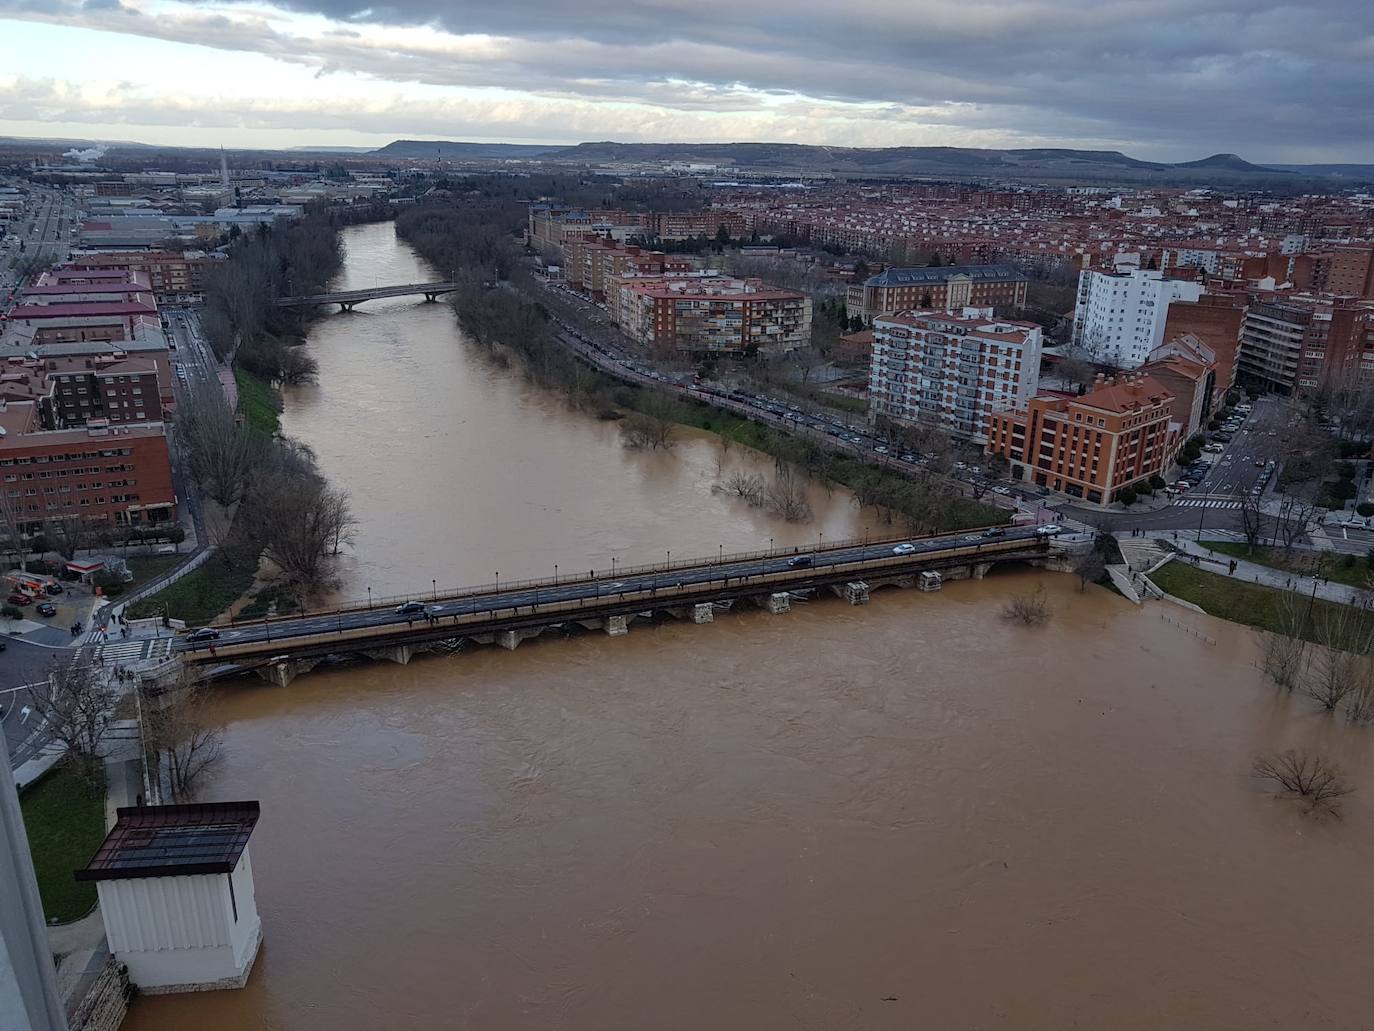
{"type": "Point", "coordinates": [149, 567]}
{"type": "Point", "coordinates": [199, 596]}
{"type": "Point", "coordinates": [1326, 563]}
{"type": "Point", "coordinates": [65, 820]}
{"type": "Point", "coordinates": [1229, 598]}
{"type": "Point", "coordinates": [258, 402]}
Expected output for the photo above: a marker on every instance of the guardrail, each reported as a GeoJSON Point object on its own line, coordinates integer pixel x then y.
{"type": "Point", "coordinates": [542, 613]}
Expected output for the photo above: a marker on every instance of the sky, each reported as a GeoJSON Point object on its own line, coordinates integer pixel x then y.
{"type": "Point", "coordinates": [1162, 80]}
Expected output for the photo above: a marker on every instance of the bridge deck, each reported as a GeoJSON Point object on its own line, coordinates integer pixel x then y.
{"type": "Point", "coordinates": [366, 294]}
{"type": "Point", "coordinates": [545, 602]}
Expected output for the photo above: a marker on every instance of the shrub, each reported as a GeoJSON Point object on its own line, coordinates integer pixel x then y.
{"type": "Point", "coordinates": [1157, 482]}
{"type": "Point", "coordinates": [1365, 508]}
{"type": "Point", "coordinates": [11, 611]}
{"type": "Point", "coordinates": [110, 584]}
{"type": "Point", "coordinates": [1343, 490]}
{"type": "Point", "coordinates": [1126, 496]}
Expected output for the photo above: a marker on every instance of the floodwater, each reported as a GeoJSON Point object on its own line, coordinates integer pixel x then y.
{"type": "Point", "coordinates": [912, 814]}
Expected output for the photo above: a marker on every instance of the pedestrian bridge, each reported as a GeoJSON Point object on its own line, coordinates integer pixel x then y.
{"type": "Point", "coordinates": [279, 649]}
{"type": "Point", "coordinates": [347, 299]}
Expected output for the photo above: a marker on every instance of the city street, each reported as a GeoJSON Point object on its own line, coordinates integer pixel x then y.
{"type": "Point", "coordinates": [46, 230]}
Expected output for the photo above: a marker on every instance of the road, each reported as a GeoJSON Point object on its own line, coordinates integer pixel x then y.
{"type": "Point", "coordinates": [46, 227]}
{"type": "Point", "coordinates": [590, 589]}
{"type": "Point", "coordinates": [22, 664]}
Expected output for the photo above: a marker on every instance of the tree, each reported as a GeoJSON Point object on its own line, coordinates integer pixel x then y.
{"type": "Point", "coordinates": [1127, 496]}
{"type": "Point", "coordinates": [1090, 568]}
{"type": "Point", "coordinates": [68, 534]}
{"type": "Point", "coordinates": [221, 453]}
{"type": "Point", "coordinates": [1030, 608]}
{"type": "Point", "coordinates": [785, 496]}
{"type": "Point", "coordinates": [1341, 664]}
{"type": "Point", "coordinates": [1292, 520]}
{"type": "Point", "coordinates": [1251, 516]}
{"type": "Point", "coordinates": [77, 705]}
{"type": "Point", "coordinates": [180, 732]}
{"type": "Point", "coordinates": [1284, 648]}
{"type": "Point", "coordinates": [1313, 779]}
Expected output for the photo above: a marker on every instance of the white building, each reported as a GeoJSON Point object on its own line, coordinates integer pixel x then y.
{"type": "Point", "coordinates": [952, 369]}
{"type": "Point", "coordinates": [1120, 315]}
{"type": "Point", "coordinates": [176, 894]}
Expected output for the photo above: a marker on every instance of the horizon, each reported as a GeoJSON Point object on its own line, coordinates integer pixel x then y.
{"type": "Point", "coordinates": [1000, 74]}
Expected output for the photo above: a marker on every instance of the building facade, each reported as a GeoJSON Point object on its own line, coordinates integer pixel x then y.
{"type": "Point", "coordinates": [944, 287]}
{"type": "Point", "coordinates": [1093, 446]}
{"type": "Point", "coordinates": [1120, 315]}
{"type": "Point", "coordinates": [1301, 344]}
{"type": "Point", "coordinates": [713, 315]}
{"type": "Point", "coordinates": [101, 473]}
{"type": "Point", "coordinates": [951, 370]}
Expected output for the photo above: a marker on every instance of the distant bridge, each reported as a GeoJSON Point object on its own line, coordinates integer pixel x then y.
{"type": "Point", "coordinates": [346, 299]}
{"type": "Point", "coordinates": [507, 613]}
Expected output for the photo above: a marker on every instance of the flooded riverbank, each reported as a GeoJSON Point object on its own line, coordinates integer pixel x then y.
{"type": "Point", "coordinates": [903, 815]}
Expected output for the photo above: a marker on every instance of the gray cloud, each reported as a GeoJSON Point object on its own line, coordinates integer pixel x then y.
{"type": "Point", "coordinates": [1173, 78]}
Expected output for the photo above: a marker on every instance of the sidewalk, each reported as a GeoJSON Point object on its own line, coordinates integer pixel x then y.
{"type": "Point", "coordinates": [1276, 578]}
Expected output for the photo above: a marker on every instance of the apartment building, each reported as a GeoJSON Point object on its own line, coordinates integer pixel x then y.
{"type": "Point", "coordinates": [102, 473]}
{"type": "Point", "coordinates": [1301, 343]}
{"type": "Point", "coordinates": [1187, 368]}
{"type": "Point", "coordinates": [1346, 270]}
{"type": "Point", "coordinates": [1216, 319]}
{"type": "Point", "coordinates": [714, 315]}
{"type": "Point", "coordinates": [945, 287]}
{"type": "Point", "coordinates": [1120, 432]}
{"type": "Point", "coordinates": [591, 262]}
{"type": "Point", "coordinates": [952, 370]}
{"type": "Point", "coordinates": [1121, 314]}
{"type": "Point", "coordinates": [171, 275]}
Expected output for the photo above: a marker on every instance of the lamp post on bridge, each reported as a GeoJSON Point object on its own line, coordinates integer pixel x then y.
{"type": "Point", "coordinates": [670, 557]}
{"type": "Point", "coordinates": [555, 573]}
{"type": "Point", "coordinates": [434, 584]}
{"type": "Point", "coordinates": [369, 599]}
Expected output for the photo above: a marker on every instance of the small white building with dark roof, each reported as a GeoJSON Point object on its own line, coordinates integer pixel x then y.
{"type": "Point", "coordinates": [176, 893]}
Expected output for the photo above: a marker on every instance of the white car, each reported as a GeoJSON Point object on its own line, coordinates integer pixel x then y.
{"type": "Point", "coordinates": [1004, 491]}
{"type": "Point", "coordinates": [1213, 449]}
{"type": "Point", "coordinates": [1354, 524]}
{"type": "Point", "coordinates": [1048, 530]}
{"type": "Point", "coordinates": [904, 549]}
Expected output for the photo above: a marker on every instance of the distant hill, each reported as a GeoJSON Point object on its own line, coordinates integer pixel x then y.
{"type": "Point", "coordinates": [429, 150]}
{"type": "Point", "coordinates": [1037, 164]}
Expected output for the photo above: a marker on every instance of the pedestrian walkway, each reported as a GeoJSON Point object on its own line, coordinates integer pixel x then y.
{"type": "Point", "coordinates": [1206, 503]}
{"type": "Point", "coordinates": [128, 652]}
{"type": "Point", "coordinates": [1267, 576]}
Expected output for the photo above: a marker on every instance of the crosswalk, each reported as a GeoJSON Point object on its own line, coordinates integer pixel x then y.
{"type": "Point", "coordinates": [122, 652]}
{"type": "Point", "coordinates": [1206, 503]}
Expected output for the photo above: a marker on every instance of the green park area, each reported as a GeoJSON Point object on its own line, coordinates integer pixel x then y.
{"type": "Point", "coordinates": [64, 816]}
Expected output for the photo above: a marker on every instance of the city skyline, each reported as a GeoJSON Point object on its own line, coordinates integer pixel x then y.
{"type": "Point", "coordinates": [1168, 81]}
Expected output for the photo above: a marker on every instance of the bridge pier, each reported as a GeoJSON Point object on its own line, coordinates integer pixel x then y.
{"type": "Point", "coordinates": [280, 674]}
{"type": "Point", "coordinates": [401, 654]}
{"type": "Point", "coordinates": [617, 626]}
{"type": "Point", "coordinates": [980, 569]}
{"type": "Point", "coordinates": [703, 613]}
{"type": "Point", "coordinates": [345, 306]}
{"type": "Point", "coordinates": [856, 592]}
{"type": "Point", "coordinates": [430, 298]}
{"type": "Point", "coordinates": [779, 603]}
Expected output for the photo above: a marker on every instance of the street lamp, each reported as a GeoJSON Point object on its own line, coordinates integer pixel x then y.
{"type": "Point", "coordinates": [670, 558]}
{"type": "Point", "coordinates": [435, 585]}
{"type": "Point", "coordinates": [369, 599]}
{"type": "Point", "coordinates": [612, 567]}
{"type": "Point", "coordinates": [555, 572]}
{"type": "Point", "coordinates": [820, 539]}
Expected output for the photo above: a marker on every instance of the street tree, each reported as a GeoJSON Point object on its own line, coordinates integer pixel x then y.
{"type": "Point", "coordinates": [77, 704]}
{"type": "Point", "coordinates": [180, 731]}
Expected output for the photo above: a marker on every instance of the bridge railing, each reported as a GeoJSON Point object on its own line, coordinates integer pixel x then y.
{"type": "Point", "coordinates": [615, 572]}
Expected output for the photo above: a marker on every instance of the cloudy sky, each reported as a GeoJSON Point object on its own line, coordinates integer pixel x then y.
{"type": "Point", "coordinates": [1158, 79]}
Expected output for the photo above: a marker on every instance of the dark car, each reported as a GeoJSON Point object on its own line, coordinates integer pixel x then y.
{"type": "Point", "coordinates": [205, 633]}
{"type": "Point", "coordinates": [46, 608]}
{"type": "Point", "coordinates": [798, 561]}
{"type": "Point", "coordinates": [19, 599]}
{"type": "Point", "coordinates": [53, 587]}
{"type": "Point", "coordinates": [410, 608]}
{"type": "Point", "coordinates": [993, 531]}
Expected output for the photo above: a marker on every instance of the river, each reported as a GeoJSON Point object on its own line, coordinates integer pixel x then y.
{"type": "Point", "coordinates": [909, 814]}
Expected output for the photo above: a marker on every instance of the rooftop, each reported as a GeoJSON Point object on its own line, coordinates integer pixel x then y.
{"type": "Point", "coordinates": [173, 841]}
{"type": "Point", "coordinates": [944, 273]}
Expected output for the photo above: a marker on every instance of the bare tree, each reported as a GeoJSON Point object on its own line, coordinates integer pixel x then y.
{"type": "Point", "coordinates": [180, 731]}
{"type": "Point", "coordinates": [1292, 520]}
{"type": "Point", "coordinates": [67, 534]}
{"type": "Point", "coordinates": [744, 485]}
{"type": "Point", "coordinates": [786, 494]}
{"type": "Point", "coordinates": [1340, 664]}
{"type": "Point", "coordinates": [299, 521]}
{"type": "Point", "coordinates": [221, 453]}
{"type": "Point", "coordinates": [1313, 779]}
{"type": "Point", "coordinates": [1030, 608]}
{"type": "Point", "coordinates": [1090, 568]}
{"type": "Point", "coordinates": [642, 431]}
{"type": "Point", "coordinates": [12, 523]}
{"type": "Point", "coordinates": [1251, 516]}
{"type": "Point", "coordinates": [1284, 648]}
{"type": "Point", "coordinates": [77, 705]}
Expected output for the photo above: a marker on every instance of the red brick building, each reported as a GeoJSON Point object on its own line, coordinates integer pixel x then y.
{"type": "Point", "coordinates": [1091, 447]}
{"type": "Point", "coordinates": [1217, 320]}
{"type": "Point", "coordinates": [102, 473]}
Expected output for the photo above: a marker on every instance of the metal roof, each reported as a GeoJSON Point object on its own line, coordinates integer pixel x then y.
{"type": "Point", "coordinates": [944, 273]}
{"type": "Point", "coordinates": [173, 841]}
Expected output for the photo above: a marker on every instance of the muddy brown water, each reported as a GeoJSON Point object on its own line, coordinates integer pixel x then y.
{"type": "Point", "coordinates": [907, 814]}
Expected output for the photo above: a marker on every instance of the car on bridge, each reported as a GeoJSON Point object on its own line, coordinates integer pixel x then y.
{"type": "Point", "coordinates": [904, 549]}
{"type": "Point", "coordinates": [800, 561]}
{"type": "Point", "coordinates": [1048, 530]}
{"type": "Point", "coordinates": [410, 608]}
{"type": "Point", "coordinates": [205, 633]}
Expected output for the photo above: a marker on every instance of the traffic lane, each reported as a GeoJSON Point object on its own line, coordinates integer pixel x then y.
{"type": "Point", "coordinates": [589, 590]}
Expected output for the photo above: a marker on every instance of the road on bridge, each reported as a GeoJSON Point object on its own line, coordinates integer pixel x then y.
{"type": "Point", "coordinates": [687, 575]}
